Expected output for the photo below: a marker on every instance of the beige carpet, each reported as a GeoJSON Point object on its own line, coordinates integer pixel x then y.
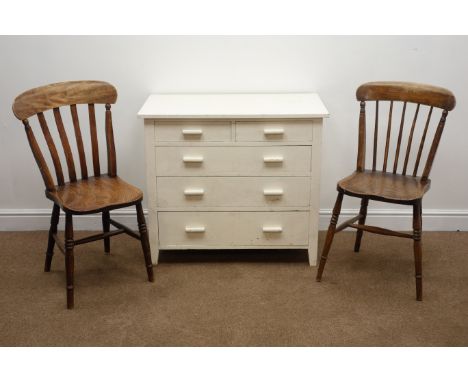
{"type": "Point", "coordinates": [265, 298]}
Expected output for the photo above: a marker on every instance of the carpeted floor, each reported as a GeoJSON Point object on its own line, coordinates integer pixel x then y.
{"type": "Point", "coordinates": [265, 298]}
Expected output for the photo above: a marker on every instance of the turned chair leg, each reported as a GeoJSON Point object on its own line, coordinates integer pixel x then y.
{"type": "Point", "coordinates": [362, 221]}
{"type": "Point", "coordinates": [51, 242]}
{"type": "Point", "coordinates": [417, 232]}
{"type": "Point", "coordinates": [106, 228]}
{"type": "Point", "coordinates": [330, 235]}
{"type": "Point", "coordinates": [145, 241]}
{"type": "Point", "coordinates": [69, 258]}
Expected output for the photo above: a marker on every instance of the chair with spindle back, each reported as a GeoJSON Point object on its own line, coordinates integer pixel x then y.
{"type": "Point", "coordinates": [388, 184]}
{"type": "Point", "coordinates": [99, 193]}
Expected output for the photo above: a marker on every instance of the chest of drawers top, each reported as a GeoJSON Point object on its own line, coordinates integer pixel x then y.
{"type": "Point", "coordinates": [233, 106]}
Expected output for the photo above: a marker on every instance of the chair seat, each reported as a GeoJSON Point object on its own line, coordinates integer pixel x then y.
{"type": "Point", "coordinates": [95, 194]}
{"type": "Point", "coordinates": [384, 186]}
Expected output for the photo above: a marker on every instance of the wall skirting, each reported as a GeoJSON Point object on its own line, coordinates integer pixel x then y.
{"type": "Point", "coordinates": [398, 219]}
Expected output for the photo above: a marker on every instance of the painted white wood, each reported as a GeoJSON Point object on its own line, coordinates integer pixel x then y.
{"type": "Point", "coordinates": [234, 170]}
{"type": "Point", "coordinates": [273, 192]}
{"type": "Point", "coordinates": [315, 195]}
{"type": "Point", "coordinates": [193, 131]}
{"type": "Point", "coordinates": [272, 229]}
{"type": "Point", "coordinates": [195, 229]}
{"type": "Point", "coordinates": [196, 143]}
{"type": "Point", "coordinates": [268, 131]}
{"type": "Point", "coordinates": [233, 161]}
{"type": "Point", "coordinates": [273, 159]}
{"type": "Point", "coordinates": [273, 131]}
{"type": "Point", "coordinates": [192, 192]}
{"type": "Point", "coordinates": [233, 106]}
{"type": "Point", "coordinates": [151, 191]}
{"type": "Point", "coordinates": [192, 158]}
{"type": "Point", "coordinates": [233, 229]}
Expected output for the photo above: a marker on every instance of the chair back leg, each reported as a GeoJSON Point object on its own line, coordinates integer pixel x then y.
{"type": "Point", "coordinates": [330, 235]}
{"type": "Point", "coordinates": [362, 221]}
{"type": "Point", "coordinates": [106, 228]}
{"type": "Point", "coordinates": [51, 242]}
{"type": "Point", "coordinates": [145, 241]}
{"type": "Point", "coordinates": [69, 259]}
{"type": "Point", "coordinates": [417, 232]}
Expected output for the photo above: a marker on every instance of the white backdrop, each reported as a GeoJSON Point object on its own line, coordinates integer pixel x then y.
{"type": "Point", "coordinates": [332, 66]}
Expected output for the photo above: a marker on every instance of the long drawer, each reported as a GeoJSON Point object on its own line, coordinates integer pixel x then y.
{"type": "Point", "coordinates": [232, 191]}
{"type": "Point", "coordinates": [192, 131]}
{"type": "Point", "coordinates": [233, 161]}
{"type": "Point", "coordinates": [231, 229]}
{"type": "Point", "coordinates": [274, 131]}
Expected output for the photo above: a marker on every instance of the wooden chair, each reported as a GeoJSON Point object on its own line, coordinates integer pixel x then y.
{"type": "Point", "coordinates": [389, 184]}
{"type": "Point", "coordinates": [99, 193]}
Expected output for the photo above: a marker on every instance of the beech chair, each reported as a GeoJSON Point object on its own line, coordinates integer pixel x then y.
{"type": "Point", "coordinates": [391, 184]}
{"type": "Point", "coordinates": [100, 193]}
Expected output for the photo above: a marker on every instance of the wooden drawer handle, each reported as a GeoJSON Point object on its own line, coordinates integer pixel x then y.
{"type": "Point", "coordinates": [273, 229]}
{"type": "Point", "coordinates": [273, 131]}
{"type": "Point", "coordinates": [192, 159]}
{"type": "Point", "coordinates": [273, 159]}
{"type": "Point", "coordinates": [192, 131]}
{"type": "Point", "coordinates": [194, 191]}
{"type": "Point", "coordinates": [194, 229]}
{"type": "Point", "coordinates": [273, 192]}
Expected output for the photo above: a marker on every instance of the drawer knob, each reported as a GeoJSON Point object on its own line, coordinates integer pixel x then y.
{"type": "Point", "coordinates": [194, 191]}
{"type": "Point", "coordinates": [273, 159]}
{"type": "Point", "coordinates": [195, 229]}
{"type": "Point", "coordinates": [273, 229]}
{"type": "Point", "coordinates": [273, 131]}
{"type": "Point", "coordinates": [192, 159]}
{"type": "Point", "coordinates": [273, 192]}
{"type": "Point", "coordinates": [191, 132]}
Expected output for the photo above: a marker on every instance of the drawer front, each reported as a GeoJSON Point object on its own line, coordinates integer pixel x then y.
{"type": "Point", "coordinates": [193, 131]}
{"type": "Point", "coordinates": [274, 131]}
{"type": "Point", "coordinates": [232, 229]}
{"type": "Point", "coordinates": [232, 192]}
{"type": "Point", "coordinates": [233, 161]}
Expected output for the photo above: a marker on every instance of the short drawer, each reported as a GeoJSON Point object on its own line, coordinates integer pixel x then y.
{"type": "Point", "coordinates": [193, 131]}
{"type": "Point", "coordinates": [232, 229]}
{"type": "Point", "coordinates": [275, 131]}
{"type": "Point", "coordinates": [233, 161]}
{"type": "Point", "coordinates": [190, 192]}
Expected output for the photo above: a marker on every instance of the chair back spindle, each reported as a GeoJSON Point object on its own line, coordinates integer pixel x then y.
{"type": "Point", "coordinates": [400, 133]}
{"type": "Point", "coordinates": [65, 145]}
{"type": "Point", "coordinates": [404, 93]}
{"type": "Point", "coordinates": [387, 141]}
{"type": "Point", "coordinates": [51, 97]}
{"type": "Point", "coordinates": [376, 135]}
{"type": "Point", "coordinates": [111, 157]}
{"type": "Point", "coordinates": [79, 141]}
{"type": "Point", "coordinates": [361, 159]}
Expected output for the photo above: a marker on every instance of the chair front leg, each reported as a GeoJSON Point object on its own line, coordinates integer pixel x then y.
{"type": "Point", "coordinates": [145, 241]}
{"type": "Point", "coordinates": [417, 232]}
{"type": "Point", "coordinates": [51, 242]}
{"type": "Point", "coordinates": [106, 228]}
{"type": "Point", "coordinates": [330, 235]}
{"type": "Point", "coordinates": [362, 221]}
{"type": "Point", "coordinates": [69, 258]}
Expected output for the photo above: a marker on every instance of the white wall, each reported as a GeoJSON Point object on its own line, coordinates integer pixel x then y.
{"type": "Point", "coordinates": [332, 66]}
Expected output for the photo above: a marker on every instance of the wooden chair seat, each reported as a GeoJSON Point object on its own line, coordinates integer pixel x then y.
{"type": "Point", "coordinates": [95, 194]}
{"type": "Point", "coordinates": [380, 185]}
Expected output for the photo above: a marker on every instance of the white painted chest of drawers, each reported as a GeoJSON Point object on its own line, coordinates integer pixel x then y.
{"type": "Point", "coordinates": [227, 171]}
